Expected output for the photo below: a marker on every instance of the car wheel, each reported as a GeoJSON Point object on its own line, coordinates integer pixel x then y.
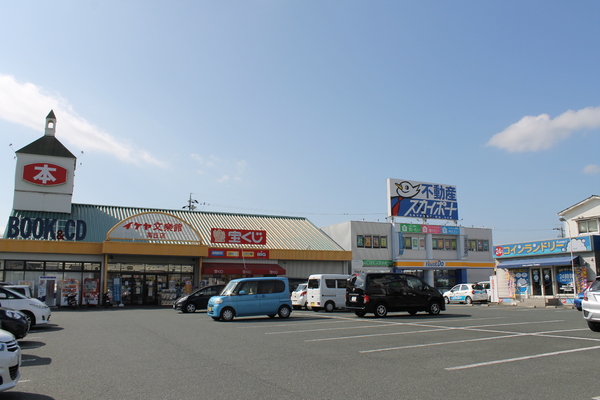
{"type": "Point", "coordinates": [284, 312]}
{"type": "Point", "coordinates": [434, 308]}
{"type": "Point", "coordinates": [380, 310]}
{"type": "Point", "coordinates": [360, 313]}
{"type": "Point", "coordinates": [446, 300]}
{"type": "Point", "coordinates": [30, 317]}
{"type": "Point", "coordinates": [227, 314]}
{"type": "Point", "coordinates": [578, 308]}
{"type": "Point", "coordinates": [329, 306]}
{"type": "Point", "coordinates": [595, 326]}
{"type": "Point", "coordinates": [190, 307]}
{"type": "Point", "coordinates": [468, 300]}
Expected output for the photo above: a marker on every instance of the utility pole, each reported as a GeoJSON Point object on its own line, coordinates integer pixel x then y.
{"type": "Point", "coordinates": [191, 203]}
{"type": "Point", "coordinates": [562, 232]}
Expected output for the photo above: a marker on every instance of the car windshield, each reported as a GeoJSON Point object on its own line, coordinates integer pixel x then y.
{"type": "Point", "coordinates": [595, 286]}
{"type": "Point", "coordinates": [229, 289]}
{"type": "Point", "coordinates": [357, 281]}
{"type": "Point", "coordinates": [300, 287]}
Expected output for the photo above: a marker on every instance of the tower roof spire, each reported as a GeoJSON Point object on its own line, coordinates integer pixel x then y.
{"type": "Point", "coordinates": [50, 124]}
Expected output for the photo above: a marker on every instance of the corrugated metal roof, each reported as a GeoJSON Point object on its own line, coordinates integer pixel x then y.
{"type": "Point", "coordinates": [287, 233]}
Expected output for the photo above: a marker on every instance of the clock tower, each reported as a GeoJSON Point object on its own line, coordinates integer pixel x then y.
{"type": "Point", "coordinates": [45, 174]}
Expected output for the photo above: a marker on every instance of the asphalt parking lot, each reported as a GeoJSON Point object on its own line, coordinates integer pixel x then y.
{"type": "Point", "coordinates": [467, 351]}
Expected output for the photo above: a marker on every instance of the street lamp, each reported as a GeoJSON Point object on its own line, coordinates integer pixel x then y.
{"type": "Point", "coordinates": [572, 258]}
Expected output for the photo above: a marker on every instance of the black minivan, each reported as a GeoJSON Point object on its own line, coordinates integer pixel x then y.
{"type": "Point", "coordinates": [379, 293]}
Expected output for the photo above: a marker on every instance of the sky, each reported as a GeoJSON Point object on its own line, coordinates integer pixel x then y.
{"type": "Point", "coordinates": [306, 108]}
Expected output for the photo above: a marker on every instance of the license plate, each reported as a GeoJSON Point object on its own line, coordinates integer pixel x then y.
{"type": "Point", "coordinates": [312, 304]}
{"type": "Point", "coordinates": [353, 298]}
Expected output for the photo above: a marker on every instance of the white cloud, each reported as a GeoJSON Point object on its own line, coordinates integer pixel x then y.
{"type": "Point", "coordinates": [534, 133]}
{"type": "Point", "coordinates": [217, 165]}
{"type": "Point", "coordinates": [592, 169]}
{"type": "Point", "coordinates": [27, 104]}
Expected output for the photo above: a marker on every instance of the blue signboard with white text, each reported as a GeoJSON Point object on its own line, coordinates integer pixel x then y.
{"type": "Point", "coordinates": [553, 246]}
{"type": "Point", "coordinates": [414, 199]}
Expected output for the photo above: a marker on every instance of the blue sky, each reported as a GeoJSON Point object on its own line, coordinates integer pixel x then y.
{"type": "Point", "coordinates": [305, 108]}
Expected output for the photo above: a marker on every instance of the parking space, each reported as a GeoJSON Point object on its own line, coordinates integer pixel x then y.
{"type": "Point", "coordinates": [475, 351]}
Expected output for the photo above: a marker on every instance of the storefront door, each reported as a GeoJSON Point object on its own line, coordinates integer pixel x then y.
{"type": "Point", "coordinates": [150, 290]}
{"type": "Point", "coordinates": [536, 282]}
{"type": "Point", "coordinates": [136, 290]}
{"type": "Point", "coordinates": [543, 282]}
{"type": "Point", "coordinates": [548, 281]}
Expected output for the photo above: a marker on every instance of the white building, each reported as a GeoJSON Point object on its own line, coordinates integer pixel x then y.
{"type": "Point", "coordinates": [442, 255]}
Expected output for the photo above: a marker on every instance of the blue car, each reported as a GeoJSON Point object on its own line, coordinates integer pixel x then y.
{"type": "Point", "coordinates": [578, 299]}
{"type": "Point", "coordinates": [252, 296]}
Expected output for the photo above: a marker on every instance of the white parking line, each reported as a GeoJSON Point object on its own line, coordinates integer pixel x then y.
{"type": "Point", "coordinates": [435, 329]}
{"type": "Point", "coordinates": [507, 360]}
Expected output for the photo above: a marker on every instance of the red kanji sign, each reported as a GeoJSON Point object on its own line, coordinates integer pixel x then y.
{"type": "Point", "coordinates": [238, 236]}
{"type": "Point", "coordinates": [45, 174]}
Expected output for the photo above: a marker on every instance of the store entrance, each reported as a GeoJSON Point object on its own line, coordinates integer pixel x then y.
{"type": "Point", "coordinates": [143, 289]}
{"type": "Point", "coordinates": [154, 284]}
{"type": "Point", "coordinates": [543, 282]}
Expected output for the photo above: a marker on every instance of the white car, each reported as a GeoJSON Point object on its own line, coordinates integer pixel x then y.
{"type": "Point", "coordinates": [10, 361]}
{"type": "Point", "coordinates": [590, 306]}
{"type": "Point", "coordinates": [299, 297]}
{"type": "Point", "coordinates": [466, 293]}
{"type": "Point", "coordinates": [37, 312]}
{"type": "Point", "coordinates": [487, 285]}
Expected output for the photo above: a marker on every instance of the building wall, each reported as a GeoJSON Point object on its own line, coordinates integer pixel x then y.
{"type": "Point", "coordinates": [303, 269]}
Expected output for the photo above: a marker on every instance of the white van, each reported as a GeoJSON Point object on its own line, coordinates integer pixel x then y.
{"type": "Point", "coordinates": [326, 291]}
{"type": "Point", "coordinates": [37, 312]}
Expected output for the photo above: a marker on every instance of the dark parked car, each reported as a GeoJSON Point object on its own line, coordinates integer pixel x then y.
{"type": "Point", "coordinates": [379, 293]}
{"type": "Point", "coordinates": [198, 299]}
{"type": "Point", "coordinates": [15, 322]}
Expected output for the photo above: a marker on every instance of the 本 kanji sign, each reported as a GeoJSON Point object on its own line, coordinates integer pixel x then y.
{"type": "Point", "coordinates": [238, 236]}
{"type": "Point", "coordinates": [44, 174]}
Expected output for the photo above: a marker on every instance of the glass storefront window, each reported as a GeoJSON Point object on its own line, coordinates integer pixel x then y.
{"type": "Point", "coordinates": [156, 268]}
{"type": "Point", "coordinates": [34, 265]}
{"type": "Point", "coordinates": [114, 267]}
{"type": "Point", "coordinates": [133, 267]}
{"type": "Point", "coordinates": [91, 266]}
{"type": "Point", "coordinates": [14, 276]}
{"type": "Point", "coordinates": [14, 265]}
{"type": "Point", "coordinates": [54, 265]}
{"type": "Point", "coordinates": [73, 266]}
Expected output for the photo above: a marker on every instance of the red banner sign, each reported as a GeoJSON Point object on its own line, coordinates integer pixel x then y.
{"type": "Point", "coordinates": [44, 174]}
{"type": "Point", "coordinates": [238, 236]}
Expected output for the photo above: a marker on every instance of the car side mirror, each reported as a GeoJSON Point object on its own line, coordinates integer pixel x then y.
{"type": "Point", "coordinates": [3, 296]}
